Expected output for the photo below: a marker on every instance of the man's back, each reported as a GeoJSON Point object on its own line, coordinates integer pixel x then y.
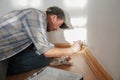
{"type": "Point", "coordinates": [13, 35]}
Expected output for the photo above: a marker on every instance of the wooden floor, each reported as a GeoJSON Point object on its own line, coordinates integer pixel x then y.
{"type": "Point", "coordinates": [79, 66]}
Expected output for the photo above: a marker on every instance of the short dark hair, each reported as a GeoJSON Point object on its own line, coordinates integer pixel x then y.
{"type": "Point", "coordinates": [59, 12]}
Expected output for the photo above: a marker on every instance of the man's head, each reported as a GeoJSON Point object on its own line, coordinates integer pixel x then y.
{"type": "Point", "coordinates": [55, 18]}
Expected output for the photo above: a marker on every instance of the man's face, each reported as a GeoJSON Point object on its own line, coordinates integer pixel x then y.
{"type": "Point", "coordinates": [53, 23]}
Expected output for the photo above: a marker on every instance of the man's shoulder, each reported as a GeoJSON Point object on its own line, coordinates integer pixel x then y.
{"type": "Point", "coordinates": [34, 10]}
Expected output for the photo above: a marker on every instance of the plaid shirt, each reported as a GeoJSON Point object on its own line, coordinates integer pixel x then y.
{"type": "Point", "coordinates": [19, 29]}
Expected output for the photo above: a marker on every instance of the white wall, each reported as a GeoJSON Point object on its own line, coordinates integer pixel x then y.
{"type": "Point", "coordinates": [104, 34]}
{"type": "Point", "coordinates": [67, 35]}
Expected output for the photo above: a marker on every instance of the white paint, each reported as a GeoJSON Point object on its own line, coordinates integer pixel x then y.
{"type": "Point", "coordinates": [35, 3]}
{"type": "Point", "coordinates": [67, 35]}
{"type": "Point", "coordinates": [103, 30]}
{"type": "Point", "coordinates": [79, 22]}
{"type": "Point", "coordinates": [75, 3]}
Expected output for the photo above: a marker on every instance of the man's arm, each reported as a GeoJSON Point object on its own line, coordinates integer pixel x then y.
{"type": "Point", "coordinates": [60, 52]}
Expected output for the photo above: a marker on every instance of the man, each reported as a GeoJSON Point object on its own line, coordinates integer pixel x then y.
{"type": "Point", "coordinates": [23, 39]}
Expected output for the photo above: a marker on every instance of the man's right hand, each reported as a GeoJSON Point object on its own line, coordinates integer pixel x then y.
{"type": "Point", "coordinates": [76, 46]}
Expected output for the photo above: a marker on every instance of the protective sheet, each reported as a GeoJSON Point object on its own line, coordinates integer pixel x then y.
{"type": "Point", "coordinates": [49, 73]}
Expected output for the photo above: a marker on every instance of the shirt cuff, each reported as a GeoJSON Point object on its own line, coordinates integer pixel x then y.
{"type": "Point", "coordinates": [44, 49]}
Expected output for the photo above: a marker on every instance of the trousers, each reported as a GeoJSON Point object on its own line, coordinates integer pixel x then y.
{"type": "Point", "coordinates": [25, 61]}
{"type": "Point", "coordinates": [3, 69]}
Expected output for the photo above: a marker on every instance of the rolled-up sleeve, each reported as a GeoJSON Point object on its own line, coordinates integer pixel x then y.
{"type": "Point", "coordinates": [35, 24]}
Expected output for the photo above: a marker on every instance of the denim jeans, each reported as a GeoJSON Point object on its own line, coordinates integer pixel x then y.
{"type": "Point", "coordinates": [3, 69]}
{"type": "Point", "coordinates": [26, 60]}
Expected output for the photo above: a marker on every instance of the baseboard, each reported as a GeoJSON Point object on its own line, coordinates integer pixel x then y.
{"type": "Point", "coordinates": [94, 65]}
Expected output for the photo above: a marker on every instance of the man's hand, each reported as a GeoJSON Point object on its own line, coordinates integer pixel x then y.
{"type": "Point", "coordinates": [68, 58]}
{"type": "Point", "coordinates": [76, 46]}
